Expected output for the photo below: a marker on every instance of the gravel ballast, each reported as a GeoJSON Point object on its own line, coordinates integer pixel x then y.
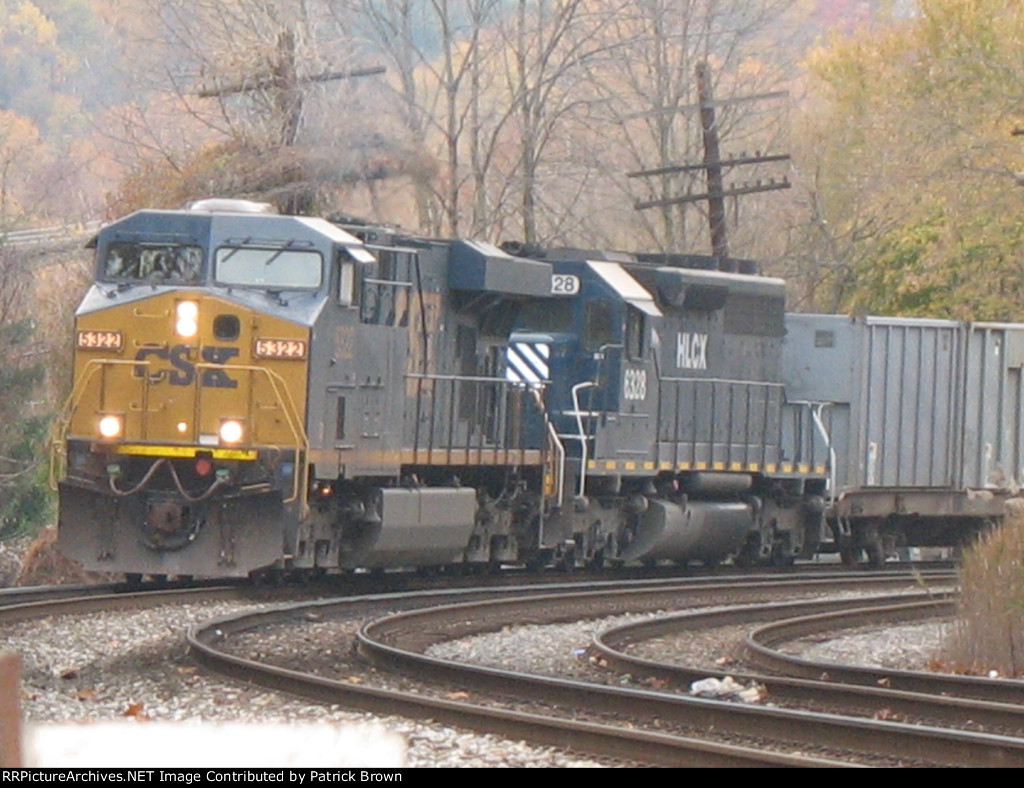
{"type": "Point", "coordinates": [134, 668]}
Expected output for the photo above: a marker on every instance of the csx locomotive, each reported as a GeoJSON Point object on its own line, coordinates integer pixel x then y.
{"type": "Point", "coordinates": [255, 391]}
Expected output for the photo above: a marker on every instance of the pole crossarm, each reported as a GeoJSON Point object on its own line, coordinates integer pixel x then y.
{"type": "Point", "coordinates": [265, 81]}
{"type": "Point", "coordinates": [733, 161]}
{"type": "Point", "coordinates": [735, 192]}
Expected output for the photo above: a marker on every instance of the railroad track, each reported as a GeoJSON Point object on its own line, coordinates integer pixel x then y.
{"type": "Point", "coordinates": [611, 721]}
{"type": "Point", "coordinates": [910, 696]}
{"type": "Point", "coordinates": [583, 717]}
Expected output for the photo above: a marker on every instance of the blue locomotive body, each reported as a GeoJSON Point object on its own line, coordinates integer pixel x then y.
{"type": "Point", "coordinates": [665, 388]}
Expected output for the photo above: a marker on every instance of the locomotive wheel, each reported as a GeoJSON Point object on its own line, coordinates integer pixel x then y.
{"type": "Point", "coordinates": [749, 555]}
{"type": "Point", "coordinates": [848, 554]}
{"type": "Point", "coordinates": [876, 553]}
{"type": "Point", "coordinates": [782, 556]}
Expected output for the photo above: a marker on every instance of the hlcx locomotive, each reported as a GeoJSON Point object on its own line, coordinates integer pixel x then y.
{"type": "Point", "coordinates": [256, 391]}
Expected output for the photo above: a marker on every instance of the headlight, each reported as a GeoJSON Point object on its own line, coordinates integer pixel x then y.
{"type": "Point", "coordinates": [187, 322]}
{"type": "Point", "coordinates": [111, 427]}
{"type": "Point", "coordinates": [231, 431]}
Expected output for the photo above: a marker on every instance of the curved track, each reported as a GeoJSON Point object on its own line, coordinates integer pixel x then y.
{"type": "Point", "coordinates": [605, 720]}
{"type": "Point", "coordinates": [614, 722]}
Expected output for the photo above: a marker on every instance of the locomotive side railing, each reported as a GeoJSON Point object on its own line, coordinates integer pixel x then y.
{"type": "Point", "coordinates": [809, 431]}
{"type": "Point", "coordinates": [467, 419]}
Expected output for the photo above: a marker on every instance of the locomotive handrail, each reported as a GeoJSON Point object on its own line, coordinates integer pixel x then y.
{"type": "Point", "coordinates": [816, 415]}
{"type": "Point", "coordinates": [692, 394]}
{"type": "Point", "coordinates": [277, 384]}
{"type": "Point", "coordinates": [300, 481]}
{"type": "Point", "coordinates": [559, 451]}
{"type": "Point", "coordinates": [582, 437]}
{"type": "Point", "coordinates": [816, 409]}
{"type": "Point", "coordinates": [469, 378]}
{"type": "Point", "coordinates": [57, 442]}
{"type": "Point", "coordinates": [768, 384]}
{"type": "Point", "coordinates": [445, 414]}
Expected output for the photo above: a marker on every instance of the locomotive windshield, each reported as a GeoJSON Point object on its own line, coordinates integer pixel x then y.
{"type": "Point", "coordinates": [551, 316]}
{"type": "Point", "coordinates": [175, 263]}
{"type": "Point", "coordinates": [281, 268]}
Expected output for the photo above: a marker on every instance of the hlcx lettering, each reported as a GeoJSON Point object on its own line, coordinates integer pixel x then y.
{"type": "Point", "coordinates": [183, 371]}
{"type": "Point", "coordinates": [692, 351]}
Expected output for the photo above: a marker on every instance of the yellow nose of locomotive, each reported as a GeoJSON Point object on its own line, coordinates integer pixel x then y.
{"type": "Point", "coordinates": [192, 372]}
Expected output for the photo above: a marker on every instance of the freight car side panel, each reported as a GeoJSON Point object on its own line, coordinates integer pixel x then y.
{"type": "Point", "coordinates": [993, 407]}
{"type": "Point", "coordinates": [889, 389]}
{"type": "Point", "coordinates": [908, 403]}
{"type": "Point", "coordinates": [908, 363]}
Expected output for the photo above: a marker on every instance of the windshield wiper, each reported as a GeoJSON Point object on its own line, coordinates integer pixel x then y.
{"type": "Point", "coordinates": [236, 250]}
{"type": "Point", "coordinates": [279, 252]}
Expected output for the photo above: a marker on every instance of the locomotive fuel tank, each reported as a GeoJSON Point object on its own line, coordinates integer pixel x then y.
{"type": "Point", "coordinates": [703, 530]}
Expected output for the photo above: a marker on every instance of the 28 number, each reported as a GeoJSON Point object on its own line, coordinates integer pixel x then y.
{"type": "Point", "coordinates": [563, 284]}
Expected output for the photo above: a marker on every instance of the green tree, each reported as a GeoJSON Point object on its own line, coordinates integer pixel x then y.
{"type": "Point", "coordinates": [913, 185]}
{"type": "Point", "coordinates": [25, 410]}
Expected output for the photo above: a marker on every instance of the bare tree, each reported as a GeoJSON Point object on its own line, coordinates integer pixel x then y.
{"type": "Point", "coordinates": [237, 98]}
{"type": "Point", "coordinates": [434, 50]}
{"type": "Point", "coordinates": [652, 106]}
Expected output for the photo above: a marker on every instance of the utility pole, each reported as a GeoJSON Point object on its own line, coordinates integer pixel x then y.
{"type": "Point", "coordinates": [286, 84]}
{"type": "Point", "coordinates": [713, 166]}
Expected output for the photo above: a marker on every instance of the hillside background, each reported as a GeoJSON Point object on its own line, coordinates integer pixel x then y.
{"type": "Point", "coordinates": [516, 120]}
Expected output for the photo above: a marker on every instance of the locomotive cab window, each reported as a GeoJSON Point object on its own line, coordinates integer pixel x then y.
{"type": "Point", "coordinates": [351, 273]}
{"type": "Point", "coordinates": [554, 316]}
{"type": "Point", "coordinates": [278, 268]}
{"type": "Point", "coordinates": [600, 325]}
{"type": "Point", "coordinates": [634, 333]}
{"type": "Point", "coordinates": [152, 263]}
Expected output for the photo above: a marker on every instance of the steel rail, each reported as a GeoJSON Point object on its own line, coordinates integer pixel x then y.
{"type": "Point", "coordinates": [655, 748]}
{"type": "Point", "coordinates": [759, 648]}
{"type": "Point", "coordinates": [936, 705]}
{"type": "Point", "coordinates": [396, 642]}
{"type": "Point", "coordinates": [108, 598]}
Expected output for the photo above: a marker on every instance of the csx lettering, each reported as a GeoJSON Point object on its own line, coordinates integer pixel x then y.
{"type": "Point", "coordinates": [218, 378]}
{"type": "Point", "coordinates": [691, 351]}
{"type": "Point", "coordinates": [183, 371]}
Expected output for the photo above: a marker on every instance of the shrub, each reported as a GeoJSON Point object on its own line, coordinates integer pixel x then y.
{"type": "Point", "coordinates": [988, 634]}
